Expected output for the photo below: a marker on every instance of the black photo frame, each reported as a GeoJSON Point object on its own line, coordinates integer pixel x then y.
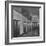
{"type": "Point", "coordinates": [7, 20]}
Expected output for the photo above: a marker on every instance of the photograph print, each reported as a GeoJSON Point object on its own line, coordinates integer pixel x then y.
{"type": "Point", "coordinates": [25, 22]}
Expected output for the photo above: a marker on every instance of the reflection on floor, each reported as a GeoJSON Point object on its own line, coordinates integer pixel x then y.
{"type": "Point", "coordinates": [33, 33]}
{"type": "Point", "coordinates": [27, 31]}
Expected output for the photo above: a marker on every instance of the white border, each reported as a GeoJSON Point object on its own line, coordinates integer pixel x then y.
{"type": "Point", "coordinates": [26, 39]}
